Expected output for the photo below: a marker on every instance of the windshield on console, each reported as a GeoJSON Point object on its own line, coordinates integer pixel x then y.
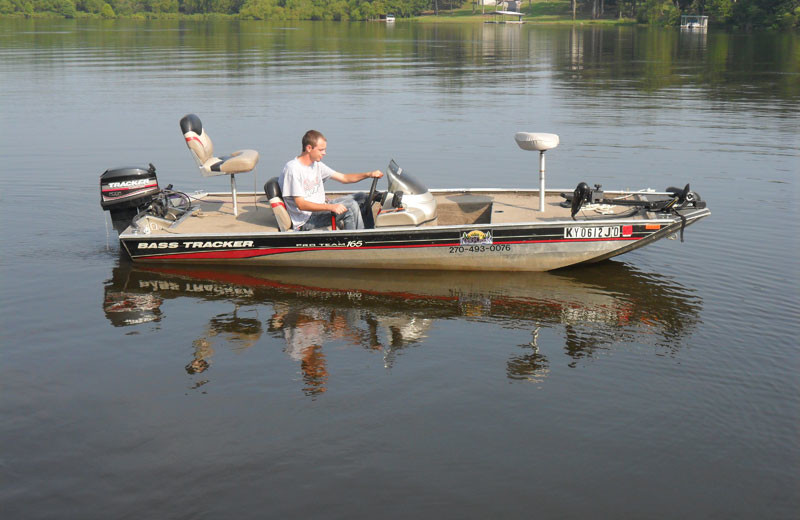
{"type": "Point", "coordinates": [399, 180]}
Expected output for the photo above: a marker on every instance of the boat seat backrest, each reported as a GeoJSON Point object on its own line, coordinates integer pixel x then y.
{"type": "Point", "coordinates": [202, 149]}
{"type": "Point", "coordinates": [273, 190]}
{"type": "Point", "coordinates": [197, 139]}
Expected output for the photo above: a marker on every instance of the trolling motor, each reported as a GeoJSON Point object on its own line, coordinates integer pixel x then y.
{"type": "Point", "coordinates": [672, 199]}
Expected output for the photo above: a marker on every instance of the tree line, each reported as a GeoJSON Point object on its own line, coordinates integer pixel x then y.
{"type": "Point", "coordinates": [775, 14]}
{"type": "Point", "coordinates": [746, 14]}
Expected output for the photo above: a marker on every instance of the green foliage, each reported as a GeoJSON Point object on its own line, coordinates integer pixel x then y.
{"type": "Point", "coordinates": [719, 11]}
{"type": "Point", "coordinates": [775, 14]}
{"type": "Point", "coordinates": [548, 8]}
{"type": "Point", "coordinates": [65, 8]}
{"type": "Point", "coordinates": [123, 7]}
{"type": "Point", "coordinates": [298, 10]}
{"type": "Point", "coordinates": [89, 6]}
{"type": "Point", "coordinates": [786, 21]}
{"type": "Point", "coordinates": [17, 7]}
{"type": "Point", "coordinates": [159, 6]}
{"type": "Point", "coordinates": [209, 6]}
{"type": "Point", "coordinates": [262, 10]}
{"type": "Point", "coordinates": [659, 12]}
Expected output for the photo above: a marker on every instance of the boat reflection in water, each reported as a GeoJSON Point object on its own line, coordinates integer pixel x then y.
{"type": "Point", "coordinates": [596, 308]}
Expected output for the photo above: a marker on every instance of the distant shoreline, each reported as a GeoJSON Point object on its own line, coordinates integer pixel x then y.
{"type": "Point", "coordinates": [539, 20]}
{"type": "Point", "coordinates": [660, 13]}
{"type": "Point", "coordinates": [441, 18]}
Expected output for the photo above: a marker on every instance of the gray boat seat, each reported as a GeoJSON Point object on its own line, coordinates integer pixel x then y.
{"type": "Point", "coordinates": [199, 143]}
{"type": "Point", "coordinates": [275, 197]}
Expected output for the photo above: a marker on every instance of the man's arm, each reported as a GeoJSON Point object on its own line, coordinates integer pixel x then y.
{"type": "Point", "coordinates": [349, 178]}
{"type": "Point", "coordinates": [307, 205]}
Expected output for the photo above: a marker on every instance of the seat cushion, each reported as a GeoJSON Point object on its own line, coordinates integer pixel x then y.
{"type": "Point", "coordinates": [534, 141]}
{"type": "Point", "coordinates": [238, 162]}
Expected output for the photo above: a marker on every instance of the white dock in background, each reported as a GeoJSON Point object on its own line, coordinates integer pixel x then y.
{"type": "Point", "coordinates": [692, 22]}
{"type": "Point", "coordinates": [500, 17]}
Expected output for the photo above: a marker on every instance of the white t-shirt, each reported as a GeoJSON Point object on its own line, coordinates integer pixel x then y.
{"type": "Point", "coordinates": [299, 180]}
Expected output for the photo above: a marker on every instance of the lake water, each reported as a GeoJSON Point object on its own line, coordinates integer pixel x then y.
{"type": "Point", "coordinates": [663, 384]}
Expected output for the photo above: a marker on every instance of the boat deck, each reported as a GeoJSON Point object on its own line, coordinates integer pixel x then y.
{"type": "Point", "coordinates": [215, 211]}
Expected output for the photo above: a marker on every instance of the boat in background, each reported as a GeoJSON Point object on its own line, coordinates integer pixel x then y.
{"type": "Point", "coordinates": [693, 22]}
{"type": "Point", "coordinates": [409, 226]}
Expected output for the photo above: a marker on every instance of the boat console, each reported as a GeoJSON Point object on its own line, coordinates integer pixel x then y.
{"type": "Point", "coordinates": [407, 202]}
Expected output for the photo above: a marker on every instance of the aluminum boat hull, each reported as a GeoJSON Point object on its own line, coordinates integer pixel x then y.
{"type": "Point", "coordinates": [482, 245]}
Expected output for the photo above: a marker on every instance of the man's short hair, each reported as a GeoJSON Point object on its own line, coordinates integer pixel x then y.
{"type": "Point", "coordinates": [312, 137]}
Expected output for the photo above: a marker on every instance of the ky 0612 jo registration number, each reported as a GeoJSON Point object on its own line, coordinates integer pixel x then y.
{"type": "Point", "coordinates": [593, 232]}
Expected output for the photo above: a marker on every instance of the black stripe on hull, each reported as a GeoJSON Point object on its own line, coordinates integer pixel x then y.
{"type": "Point", "coordinates": [209, 248]}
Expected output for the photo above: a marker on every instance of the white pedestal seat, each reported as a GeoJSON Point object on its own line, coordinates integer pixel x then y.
{"type": "Point", "coordinates": [199, 143]}
{"type": "Point", "coordinates": [537, 142]}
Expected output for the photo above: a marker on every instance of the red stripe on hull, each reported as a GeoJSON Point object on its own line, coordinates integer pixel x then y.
{"type": "Point", "coordinates": [251, 253]}
{"type": "Point", "coordinates": [242, 253]}
{"type": "Point", "coordinates": [570, 240]}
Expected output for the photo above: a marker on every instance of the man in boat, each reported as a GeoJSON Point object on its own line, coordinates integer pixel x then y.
{"type": "Point", "coordinates": [304, 194]}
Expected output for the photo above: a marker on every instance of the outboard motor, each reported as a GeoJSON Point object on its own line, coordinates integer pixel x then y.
{"type": "Point", "coordinates": [124, 192]}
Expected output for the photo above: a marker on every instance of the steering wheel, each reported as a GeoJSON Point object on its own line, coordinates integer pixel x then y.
{"type": "Point", "coordinates": [369, 221]}
{"type": "Point", "coordinates": [372, 192]}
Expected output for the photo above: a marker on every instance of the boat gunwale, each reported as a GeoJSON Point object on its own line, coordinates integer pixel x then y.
{"type": "Point", "coordinates": [434, 191]}
{"type": "Point", "coordinates": [671, 218]}
{"type": "Point", "coordinates": [390, 229]}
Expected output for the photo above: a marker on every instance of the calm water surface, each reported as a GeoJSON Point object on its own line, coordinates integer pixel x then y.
{"type": "Point", "coordinates": [663, 384]}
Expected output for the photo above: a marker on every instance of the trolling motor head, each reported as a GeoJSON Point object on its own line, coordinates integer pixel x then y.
{"type": "Point", "coordinates": [581, 194]}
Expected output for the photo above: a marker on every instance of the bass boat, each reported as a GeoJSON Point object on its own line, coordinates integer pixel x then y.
{"type": "Point", "coordinates": [408, 225]}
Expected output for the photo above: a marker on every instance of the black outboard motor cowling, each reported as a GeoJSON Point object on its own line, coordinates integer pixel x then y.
{"type": "Point", "coordinates": [126, 191]}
